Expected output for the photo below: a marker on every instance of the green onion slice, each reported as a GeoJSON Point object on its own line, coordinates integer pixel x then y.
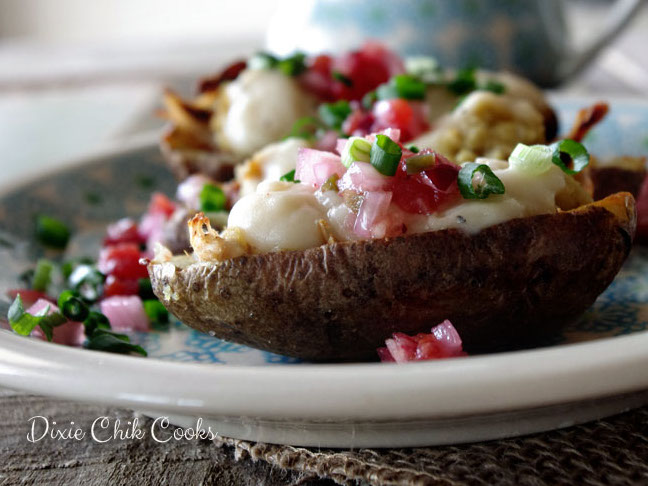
{"type": "Point", "coordinates": [305, 127]}
{"type": "Point", "coordinates": [289, 177]}
{"type": "Point", "coordinates": [94, 321]}
{"type": "Point", "coordinates": [385, 155]}
{"type": "Point", "coordinates": [414, 149]}
{"type": "Point", "coordinates": [573, 150]}
{"type": "Point", "coordinates": [24, 323]}
{"type": "Point", "coordinates": [293, 65]}
{"type": "Point", "coordinates": [262, 60]}
{"type": "Point", "coordinates": [212, 198]}
{"type": "Point", "coordinates": [105, 340]}
{"type": "Point", "coordinates": [72, 306]}
{"type": "Point", "coordinates": [52, 232]}
{"type": "Point", "coordinates": [477, 181]}
{"type": "Point", "coordinates": [157, 314]}
{"type": "Point", "coordinates": [87, 281]}
{"type": "Point", "coordinates": [357, 149]}
{"type": "Point", "coordinates": [417, 163]}
{"type": "Point", "coordinates": [533, 160]}
{"type": "Point", "coordinates": [345, 80]}
{"type": "Point", "coordinates": [334, 114]}
{"type": "Point", "coordinates": [42, 275]}
{"type": "Point", "coordinates": [402, 86]}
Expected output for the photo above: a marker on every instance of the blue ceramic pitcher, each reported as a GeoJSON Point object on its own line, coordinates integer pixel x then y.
{"type": "Point", "coordinates": [526, 36]}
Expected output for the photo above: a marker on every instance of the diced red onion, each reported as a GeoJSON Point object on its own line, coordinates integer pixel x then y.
{"type": "Point", "coordinates": [448, 337]}
{"type": "Point", "coordinates": [70, 333]}
{"type": "Point", "coordinates": [374, 207]}
{"type": "Point", "coordinates": [341, 143]}
{"type": "Point", "coordinates": [362, 177]}
{"type": "Point", "coordinates": [125, 313]}
{"type": "Point", "coordinates": [315, 167]}
{"type": "Point", "coordinates": [328, 141]}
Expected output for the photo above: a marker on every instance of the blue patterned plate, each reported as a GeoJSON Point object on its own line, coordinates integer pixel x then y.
{"type": "Point", "coordinates": [330, 405]}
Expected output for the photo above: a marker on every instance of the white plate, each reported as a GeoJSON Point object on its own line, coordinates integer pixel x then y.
{"type": "Point", "coordinates": [361, 405]}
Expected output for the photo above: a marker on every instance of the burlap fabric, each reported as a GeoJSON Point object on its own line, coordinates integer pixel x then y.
{"type": "Point", "coordinates": [613, 451]}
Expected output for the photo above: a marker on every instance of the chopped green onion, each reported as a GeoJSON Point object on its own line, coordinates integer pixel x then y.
{"type": "Point", "coordinates": [94, 321]}
{"type": "Point", "coordinates": [345, 80]}
{"type": "Point", "coordinates": [417, 163]}
{"type": "Point", "coordinates": [52, 232]}
{"type": "Point", "coordinates": [425, 68]}
{"type": "Point", "coordinates": [87, 281]}
{"type": "Point", "coordinates": [402, 86]}
{"type": "Point", "coordinates": [42, 275]}
{"type": "Point", "coordinates": [413, 149]}
{"type": "Point", "coordinates": [157, 314]}
{"type": "Point", "coordinates": [104, 340]}
{"type": "Point", "coordinates": [293, 65]}
{"type": "Point", "coordinates": [145, 181]}
{"type": "Point", "coordinates": [305, 127]}
{"type": "Point", "coordinates": [72, 306]}
{"type": "Point", "coordinates": [262, 60]}
{"type": "Point", "coordinates": [24, 323]}
{"type": "Point", "coordinates": [212, 198]}
{"type": "Point", "coordinates": [477, 181]}
{"type": "Point", "coordinates": [369, 99]}
{"type": "Point", "coordinates": [334, 114]}
{"type": "Point", "coordinates": [573, 150]}
{"type": "Point", "coordinates": [494, 86]}
{"type": "Point", "coordinates": [144, 288]}
{"type": "Point", "coordinates": [463, 83]}
{"type": "Point", "coordinates": [289, 177]}
{"type": "Point", "coordinates": [357, 149]}
{"type": "Point", "coordinates": [534, 160]}
{"type": "Point", "coordinates": [385, 155]}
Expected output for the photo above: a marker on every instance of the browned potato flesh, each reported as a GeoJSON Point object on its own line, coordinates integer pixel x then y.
{"type": "Point", "coordinates": [501, 287]}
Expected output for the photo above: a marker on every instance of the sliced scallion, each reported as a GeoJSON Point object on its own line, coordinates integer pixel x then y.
{"type": "Point", "coordinates": [417, 163]}
{"type": "Point", "coordinates": [334, 114]}
{"type": "Point", "coordinates": [385, 155]}
{"type": "Point", "coordinates": [72, 307]}
{"type": "Point", "coordinates": [212, 198]}
{"type": "Point", "coordinates": [357, 149]}
{"type": "Point", "coordinates": [157, 314]}
{"type": "Point", "coordinates": [52, 232]}
{"type": "Point", "coordinates": [289, 177]}
{"type": "Point", "coordinates": [42, 275]}
{"type": "Point", "coordinates": [477, 181]}
{"type": "Point", "coordinates": [345, 80]}
{"type": "Point", "coordinates": [533, 160]}
{"type": "Point", "coordinates": [402, 86]}
{"type": "Point", "coordinates": [573, 150]}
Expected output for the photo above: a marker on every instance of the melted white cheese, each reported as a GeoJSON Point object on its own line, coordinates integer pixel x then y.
{"type": "Point", "coordinates": [287, 216]}
{"type": "Point", "coordinates": [261, 106]}
{"type": "Point", "coordinates": [268, 164]}
{"type": "Point", "coordinates": [526, 195]}
{"type": "Point", "coordinates": [279, 216]}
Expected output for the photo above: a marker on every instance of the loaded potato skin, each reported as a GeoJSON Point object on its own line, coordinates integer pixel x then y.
{"type": "Point", "coordinates": [501, 287]}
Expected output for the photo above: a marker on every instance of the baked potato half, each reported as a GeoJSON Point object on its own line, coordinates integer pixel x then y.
{"type": "Point", "coordinates": [501, 287]}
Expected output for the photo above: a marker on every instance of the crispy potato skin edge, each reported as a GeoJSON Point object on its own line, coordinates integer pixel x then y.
{"type": "Point", "coordinates": [502, 287]}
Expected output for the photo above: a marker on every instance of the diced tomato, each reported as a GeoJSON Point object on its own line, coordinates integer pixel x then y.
{"type": "Point", "coordinates": [120, 286]}
{"type": "Point", "coordinates": [122, 261]}
{"type": "Point", "coordinates": [407, 116]}
{"type": "Point", "coordinates": [425, 192]}
{"type": "Point", "coordinates": [161, 204]}
{"type": "Point", "coordinates": [364, 71]}
{"type": "Point", "coordinates": [358, 123]}
{"type": "Point", "coordinates": [122, 231]}
{"type": "Point", "coordinates": [28, 296]}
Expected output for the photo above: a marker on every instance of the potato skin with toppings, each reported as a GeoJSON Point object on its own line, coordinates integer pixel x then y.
{"type": "Point", "coordinates": [501, 287]}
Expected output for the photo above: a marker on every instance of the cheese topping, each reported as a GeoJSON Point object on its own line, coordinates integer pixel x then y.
{"type": "Point", "coordinates": [279, 216]}
{"type": "Point", "coordinates": [258, 108]}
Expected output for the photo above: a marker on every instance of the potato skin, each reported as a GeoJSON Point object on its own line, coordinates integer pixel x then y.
{"type": "Point", "coordinates": [500, 288]}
